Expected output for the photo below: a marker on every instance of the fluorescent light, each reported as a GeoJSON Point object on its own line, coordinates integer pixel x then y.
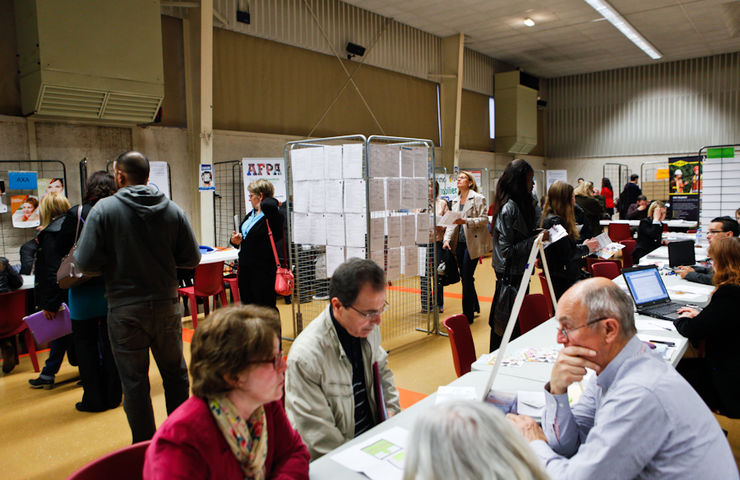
{"type": "Point", "coordinates": [529, 22]}
{"type": "Point", "coordinates": [608, 12]}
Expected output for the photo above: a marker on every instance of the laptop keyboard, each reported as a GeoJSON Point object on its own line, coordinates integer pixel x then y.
{"type": "Point", "coordinates": [668, 310]}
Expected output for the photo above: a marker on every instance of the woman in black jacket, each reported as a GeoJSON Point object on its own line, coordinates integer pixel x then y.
{"type": "Point", "coordinates": [716, 377]}
{"type": "Point", "coordinates": [49, 296]}
{"type": "Point", "coordinates": [650, 231]}
{"type": "Point", "coordinates": [257, 266]}
{"type": "Point", "coordinates": [564, 256]}
{"type": "Point", "coordinates": [591, 209]}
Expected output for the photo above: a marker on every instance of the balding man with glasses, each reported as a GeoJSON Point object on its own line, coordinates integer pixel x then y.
{"type": "Point", "coordinates": [333, 365]}
{"type": "Point", "coordinates": [637, 418]}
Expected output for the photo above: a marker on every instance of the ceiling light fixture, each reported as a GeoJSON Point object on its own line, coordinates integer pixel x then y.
{"type": "Point", "coordinates": [608, 12]}
{"type": "Point", "coordinates": [529, 22]}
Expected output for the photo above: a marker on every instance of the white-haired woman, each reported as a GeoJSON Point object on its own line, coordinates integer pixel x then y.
{"type": "Point", "coordinates": [468, 440]}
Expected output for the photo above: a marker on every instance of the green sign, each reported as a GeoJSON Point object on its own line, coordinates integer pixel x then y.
{"type": "Point", "coordinates": [723, 152]}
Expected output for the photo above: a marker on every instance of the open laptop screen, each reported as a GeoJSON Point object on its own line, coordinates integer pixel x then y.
{"type": "Point", "coordinates": [681, 253]}
{"type": "Point", "coordinates": [645, 285]}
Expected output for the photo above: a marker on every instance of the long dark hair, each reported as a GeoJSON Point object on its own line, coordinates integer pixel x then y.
{"type": "Point", "coordinates": [99, 185]}
{"type": "Point", "coordinates": [513, 186]}
{"type": "Point", "coordinates": [606, 183]}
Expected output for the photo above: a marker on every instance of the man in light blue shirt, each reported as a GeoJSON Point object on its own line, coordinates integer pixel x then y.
{"type": "Point", "coordinates": [637, 418]}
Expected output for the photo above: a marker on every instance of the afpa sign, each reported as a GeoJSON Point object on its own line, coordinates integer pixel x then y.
{"type": "Point", "coordinates": [271, 169]}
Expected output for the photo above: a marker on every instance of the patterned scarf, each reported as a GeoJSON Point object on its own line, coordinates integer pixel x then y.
{"type": "Point", "coordinates": [246, 438]}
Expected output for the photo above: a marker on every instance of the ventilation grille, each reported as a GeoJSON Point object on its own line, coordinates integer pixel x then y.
{"type": "Point", "coordinates": [94, 104]}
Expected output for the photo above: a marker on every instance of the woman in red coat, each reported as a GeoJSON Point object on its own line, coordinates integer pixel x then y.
{"type": "Point", "coordinates": [608, 193]}
{"type": "Point", "coordinates": [234, 427]}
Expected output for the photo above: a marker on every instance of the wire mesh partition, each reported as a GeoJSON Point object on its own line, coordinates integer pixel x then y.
{"type": "Point", "coordinates": [618, 174]}
{"type": "Point", "coordinates": [654, 180]}
{"type": "Point", "coordinates": [11, 238]}
{"type": "Point", "coordinates": [228, 199]}
{"type": "Point", "coordinates": [347, 195]}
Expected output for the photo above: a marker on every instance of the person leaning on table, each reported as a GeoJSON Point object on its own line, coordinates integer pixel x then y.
{"type": "Point", "coordinates": [234, 426]}
{"type": "Point", "coordinates": [719, 227]}
{"type": "Point", "coordinates": [650, 231]}
{"type": "Point", "coordinates": [637, 417]}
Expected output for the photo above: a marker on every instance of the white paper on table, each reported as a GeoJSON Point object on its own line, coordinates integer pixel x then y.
{"type": "Point", "coordinates": [421, 196]}
{"type": "Point", "coordinates": [301, 196]}
{"type": "Point", "coordinates": [422, 264]}
{"type": "Point", "coordinates": [317, 228]}
{"type": "Point", "coordinates": [335, 229]}
{"type": "Point", "coordinates": [394, 231]}
{"type": "Point", "coordinates": [353, 252]}
{"type": "Point", "coordinates": [423, 224]}
{"type": "Point", "coordinates": [352, 160]}
{"type": "Point", "coordinates": [333, 192]}
{"type": "Point", "coordinates": [377, 194]}
{"type": "Point", "coordinates": [355, 226]}
{"type": "Point", "coordinates": [378, 256]}
{"type": "Point", "coordinates": [380, 457]}
{"type": "Point", "coordinates": [333, 161]}
{"type": "Point", "coordinates": [301, 228]}
{"type": "Point", "coordinates": [556, 232]}
{"type": "Point", "coordinates": [316, 163]}
{"type": "Point", "coordinates": [393, 189]}
{"type": "Point", "coordinates": [354, 196]}
{"type": "Point", "coordinates": [446, 394]}
{"type": "Point", "coordinates": [408, 230]}
{"type": "Point", "coordinates": [317, 202]}
{"type": "Point", "coordinates": [530, 403]}
{"type": "Point", "coordinates": [300, 163]}
{"type": "Point", "coordinates": [377, 233]}
{"type": "Point", "coordinates": [448, 220]}
{"type": "Point", "coordinates": [334, 258]}
{"type": "Point", "coordinates": [394, 264]}
{"type": "Point", "coordinates": [410, 261]}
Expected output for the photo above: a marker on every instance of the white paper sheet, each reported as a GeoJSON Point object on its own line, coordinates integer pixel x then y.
{"type": "Point", "coordinates": [333, 193]}
{"type": "Point", "coordinates": [317, 202]}
{"type": "Point", "coordinates": [407, 163]}
{"type": "Point", "coordinates": [317, 228]}
{"type": "Point", "coordinates": [333, 161]}
{"type": "Point", "coordinates": [316, 163]}
{"type": "Point", "coordinates": [408, 230]}
{"type": "Point", "coordinates": [380, 457]}
{"type": "Point", "coordinates": [421, 195]}
{"type": "Point", "coordinates": [383, 161]}
{"type": "Point", "coordinates": [421, 163]}
{"type": "Point", "coordinates": [555, 233]}
{"type": "Point", "coordinates": [354, 196]}
{"type": "Point", "coordinates": [377, 194]}
{"type": "Point", "coordinates": [422, 264]}
{"type": "Point", "coordinates": [335, 229]}
{"type": "Point", "coordinates": [448, 219]}
{"type": "Point", "coordinates": [410, 261]}
{"type": "Point", "coordinates": [301, 228]}
{"type": "Point", "coordinates": [334, 258]}
{"type": "Point", "coordinates": [446, 394]}
{"type": "Point", "coordinates": [355, 227]}
{"type": "Point", "coordinates": [394, 231]}
{"type": "Point", "coordinates": [530, 403]}
{"type": "Point", "coordinates": [378, 256]}
{"type": "Point", "coordinates": [377, 233]}
{"type": "Point", "coordinates": [353, 252]}
{"type": "Point", "coordinates": [394, 264]}
{"type": "Point", "coordinates": [300, 163]}
{"type": "Point", "coordinates": [423, 226]}
{"type": "Point", "coordinates": [352, 160]}
{"type": "Point", "coordinates": [393, 190]}
{"type": "Point", "coordinates": [408, 193]}
{"type": "Point", "coordinates": [301, 196]}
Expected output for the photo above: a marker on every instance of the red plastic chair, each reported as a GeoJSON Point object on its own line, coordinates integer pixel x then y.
{"type": "Point", "coordinates": [208, 282]}
{"type": "Point", "coordinates": [233, 284]}
{"type": "Point", "coordinates": [546, 293]}
{"type": "Point", "coordinates": [13, 308]}
{"type": "Point", "coordinates": [127, 462]}
{"type": "Point", "coordinates": [591, 261]}
{"type": "Point", "coordinates": [534, 312]}
{"type": "Point", "coordinates": [629, 247]}
{"type": "Point", "coordinates": [619, 231]}
{"type": "Point", "coordinates": [606, 269]}
{"type": "Point", "coordinates": [461, 341]}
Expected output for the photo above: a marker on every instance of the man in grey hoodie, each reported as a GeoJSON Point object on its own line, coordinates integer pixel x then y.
{"type": "Point", "coordinates": [137, 239]}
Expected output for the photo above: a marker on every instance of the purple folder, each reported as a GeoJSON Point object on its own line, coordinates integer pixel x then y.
{"type": "Point", "coordinates": [46, 330]}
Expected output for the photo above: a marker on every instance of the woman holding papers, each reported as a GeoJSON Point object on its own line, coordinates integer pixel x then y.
{"type": "Point", "coordinates": [650, 231]}
{"type": "Point", "coordinates": [564, 256]}
{"type": "Point", "coordinates": [257, 266]}
{"type": "Point", "coordinates": [716, 377]}
{"type": "Point", "coordinates": [472, 240]}
{"type": "Point", "coordinates": [234, 426]}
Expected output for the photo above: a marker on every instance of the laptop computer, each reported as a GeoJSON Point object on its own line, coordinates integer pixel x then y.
{"type": "Point", "coordinates": [649, 292]}
{"type": "Point", "coordinates": [680, 253]}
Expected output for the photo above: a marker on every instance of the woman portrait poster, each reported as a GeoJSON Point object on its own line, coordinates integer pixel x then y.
{"type": "Point", "coordinates": [25, 211]}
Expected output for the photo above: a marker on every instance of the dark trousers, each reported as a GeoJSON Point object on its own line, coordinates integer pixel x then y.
{"type": "Point", "coordinates": [100, 381]}
{"type": "Point", "coordinates": [257, 285]}
{"type": "Point", "coordinates": [561, 284]}
{"type": "Point", "coordinates": [57, 349]}
{"type": "Point", "coordinates": [426, 281]}
{"type": "Point", "coordinates": [467, 270]}
{"type": "Point", "coordinates": [133, 330]}
{"type": "Point", "coordinates": [495, 340]}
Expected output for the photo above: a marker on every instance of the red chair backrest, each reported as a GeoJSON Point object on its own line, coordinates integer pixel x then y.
{"type": "Point", "coordinates": [461, 341]}
{"type": "Point", "coordinates": [606, 269]}
{"type": "Point", "coordinates": [546, 293]}
{"type": "Point", "coordinates": [591, 261]}
{"type": "Point", "coordinates": [534, 312]}
{"type": "Point", "coordinates": [12, 311]}
{"type": "Point", "coordinates": [629, 247]}
{"type": "Point", "coordinates": [127, 462]}
{"type": "Point", "coordinates": [619, 231]}
{"type": "Point", "coordinates": [209, 279]}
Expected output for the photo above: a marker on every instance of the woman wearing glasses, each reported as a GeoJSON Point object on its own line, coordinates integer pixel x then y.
{"type": "Point", "coordinates": [256, 257]}
{"type": "Point", "coordinates": [234, 426]}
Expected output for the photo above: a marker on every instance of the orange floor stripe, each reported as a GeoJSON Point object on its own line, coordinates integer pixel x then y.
{"type": "Point", "coordinates": [408, 397]}
{"type": "Point", "coordinates": [187, 334]}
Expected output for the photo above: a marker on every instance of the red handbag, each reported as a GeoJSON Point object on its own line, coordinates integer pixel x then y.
{"type": "Point", "coordinates": [284, 280]}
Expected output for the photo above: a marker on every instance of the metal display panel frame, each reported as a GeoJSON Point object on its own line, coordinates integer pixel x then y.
{"type": "Point", "coordinates": [725, 183]}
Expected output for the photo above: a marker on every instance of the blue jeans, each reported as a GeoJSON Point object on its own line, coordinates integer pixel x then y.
{"type": "Point", "coordinates": [57, 348]}
{"type": "Point", "coordinates": [133, 330]}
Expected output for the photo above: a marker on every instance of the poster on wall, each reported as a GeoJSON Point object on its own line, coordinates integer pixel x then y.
{"type": "Point", "coordinates": [447, 185]}
{"type": "Point", "coordinates": [3, 198]}
{"type": "Point", "coordinates": [553, 176]}
{"type": "Point", "coordinates": [271, 169]}
{"type": "Point", "coordinates": [159, 178]}
{"type": "Point", "coordinates": [50, 185]}
{"type": "Point", "coordinates": [25, 210]}
{"type": "Point", "coordinates": [206, 181]}
{"type": "Point", "coordinates": [22, 181]}
{"type": "Point", "coordinates": [685, 187]}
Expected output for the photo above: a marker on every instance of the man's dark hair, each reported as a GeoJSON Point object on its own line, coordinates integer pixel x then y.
{"type": "Point", "coordinates": [641, 197]}
{"type": "Point", "coordinates": [136, 167]}
{"type": "Point", "coordinates": [352, 276]}
{"type": "Point", "coordinates": [729, 224]}
{"type": "Point", "coordinates": [99, 185]}
{"type": "Point", "coordinates": [580, 178]}
{"type": "Point", "coordinates": [634, 177]}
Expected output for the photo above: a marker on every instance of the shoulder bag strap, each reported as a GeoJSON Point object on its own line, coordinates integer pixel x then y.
{"type": "Point", "coordinates": [79, 218]}
{"type": "Point", "coordinates": [272, 242]}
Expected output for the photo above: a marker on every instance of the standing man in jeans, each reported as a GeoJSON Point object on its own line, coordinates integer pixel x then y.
{"type": "Point", "coordinates": [137, 239]}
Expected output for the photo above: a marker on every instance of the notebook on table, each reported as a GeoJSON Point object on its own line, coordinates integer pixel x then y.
{"type": "Point", "coordinates": [681, 253]}
{"type": "Point", "coordinates": [649, 292]}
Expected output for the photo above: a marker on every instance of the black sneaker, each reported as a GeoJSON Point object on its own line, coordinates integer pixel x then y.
{"type": "Point", "coordinates": [42, 383]}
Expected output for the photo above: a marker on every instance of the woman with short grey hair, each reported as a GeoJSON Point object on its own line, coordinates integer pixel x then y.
{"type": "Point", "coordinates": [468, 440]}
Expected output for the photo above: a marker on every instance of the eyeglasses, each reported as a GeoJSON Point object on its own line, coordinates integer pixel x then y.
{"type": "Point", "coordinates": [372, 314]}
{"type": "Point", "coordinates": [565, 331]}
{"type": "Point", "coordinates": [714, 232]}
{"type": "Point", "coordinates": [277, 360]}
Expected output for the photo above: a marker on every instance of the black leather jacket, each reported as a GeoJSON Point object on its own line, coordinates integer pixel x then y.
{"type": "Point", "coordinates": [48, 294]}
{"type": "Point", "coordinates": [512, 240]}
